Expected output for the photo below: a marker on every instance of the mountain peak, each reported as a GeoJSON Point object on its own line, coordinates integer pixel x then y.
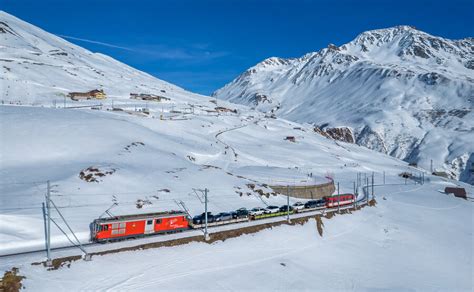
{"type": "Point", "coordinates": [399, 88]}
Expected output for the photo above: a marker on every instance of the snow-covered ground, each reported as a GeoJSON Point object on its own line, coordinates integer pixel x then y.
{"type": "Point", "coordinates": [116, 155]}
{"type": "Point", "coordinates": [155, 162]}
{"type": "Point", "coordinates": [415, 239]}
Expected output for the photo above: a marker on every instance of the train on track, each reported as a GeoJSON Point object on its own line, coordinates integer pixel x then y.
{"type": "Point", "coordinates": [140, 225]}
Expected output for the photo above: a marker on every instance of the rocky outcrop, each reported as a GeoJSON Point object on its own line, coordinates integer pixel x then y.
{"type": "Point", "coordinates": [371, 139]}
{"type": "Point", "coordinates": [343, 134]}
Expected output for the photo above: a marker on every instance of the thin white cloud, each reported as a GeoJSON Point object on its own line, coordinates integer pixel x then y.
{"type": "Point", "coordinates": [96, 42]}
{"type": "Point", "coordinates": [158, 51]}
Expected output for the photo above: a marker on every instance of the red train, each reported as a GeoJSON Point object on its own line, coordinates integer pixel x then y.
{"type": "Point", "coordinates": [339, 200]}
{"type": "Point", "coordinates": [129, 226]}
{"type": "Point", "coordinates": [138, 225]}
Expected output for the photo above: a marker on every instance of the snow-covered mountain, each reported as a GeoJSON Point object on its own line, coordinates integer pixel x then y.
{"type": "Point", "coordinates": [144, 161]}
{"type": "Point", "coordinates": [123, 159]}
{"type": "Point", "coordinates": [38, 67]}
{"type": "Point", "coordinates": [399, 90]}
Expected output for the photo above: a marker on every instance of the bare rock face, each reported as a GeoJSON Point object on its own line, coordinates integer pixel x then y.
{"type": "Point", "coordinates": [371, 139]}
{"type": "Point", "coordinates": [343, 134]}
{"type": "Point", "coordinates": [321, 132]}
{"type": "Point", "coordinates": [259, 98]}
{"type": "Point", "coordinates": [468, 174]}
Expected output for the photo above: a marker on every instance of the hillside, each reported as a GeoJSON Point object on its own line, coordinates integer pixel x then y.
{"type": "Point", "coordinates": [398, 90]}
{"type": "Point", "coordinates": [143, 155]}
{"type": "Point", "coordinates": [40, 68]}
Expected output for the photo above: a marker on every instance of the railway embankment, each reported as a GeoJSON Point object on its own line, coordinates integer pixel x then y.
{"type": "Point", "coordinates": [216, 235]}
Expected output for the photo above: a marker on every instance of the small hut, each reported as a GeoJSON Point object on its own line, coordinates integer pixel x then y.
{"type": "Point", "coordinates": [457, 192]}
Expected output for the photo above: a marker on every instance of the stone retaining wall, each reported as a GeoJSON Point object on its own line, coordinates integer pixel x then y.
{"type": "Point", "coordinates": [307, 192]}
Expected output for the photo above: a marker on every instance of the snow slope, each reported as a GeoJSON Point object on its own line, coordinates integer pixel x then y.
{"type": "Point", "coordinates": [411, 241]}
{"type": "Point", "coordinates": [400, 90]}
{"type": "Point", "coordinates": [157, 162]}
{"type": "Point", "coordinates": [149, 161]}
{"type": "Point", "coordinates": [40, 68]}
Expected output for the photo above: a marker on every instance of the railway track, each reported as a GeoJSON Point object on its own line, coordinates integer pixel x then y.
{"type": "Point", "coordinates": [197, 229]}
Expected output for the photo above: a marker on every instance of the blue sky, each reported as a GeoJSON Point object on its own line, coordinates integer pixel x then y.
{"type": "Point", "coordinates": [202, 45]}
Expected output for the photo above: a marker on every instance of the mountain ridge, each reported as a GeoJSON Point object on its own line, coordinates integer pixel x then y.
{"type": "Point", "coordinates": [398, 88]}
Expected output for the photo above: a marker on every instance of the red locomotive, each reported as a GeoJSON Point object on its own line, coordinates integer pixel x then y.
{"type": "Point", "coordinates": [127, 226]}
{"type": "Point", "coordinates": [339, 200]}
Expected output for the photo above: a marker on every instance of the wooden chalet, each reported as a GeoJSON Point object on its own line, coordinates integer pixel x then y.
{"type": "Point", "coordinates": [93, 94]}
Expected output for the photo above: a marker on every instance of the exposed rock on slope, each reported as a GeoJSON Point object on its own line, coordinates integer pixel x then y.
{"type": "Point", "coordinates": [402, 91]}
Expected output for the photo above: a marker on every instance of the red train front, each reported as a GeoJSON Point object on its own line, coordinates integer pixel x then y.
{"type": "Point", "coordinates": [339, 200]}
{"type": "Point", "coordinates": [129, 226]}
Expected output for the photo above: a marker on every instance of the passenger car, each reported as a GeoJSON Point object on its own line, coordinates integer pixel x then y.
{"type": "Point", "coordinates": [240, 213]}
{"type": "Point", "coordinates": [200, 219]}
{"type": "Point", "coordinates": [223, 217]}
{"type": "Point", "coordinates": [257, 211]}
{"type": "Point", "coordinates": [285, 208]}
{"type": "Point", "coordinates": [298, 206]}
{"type": "Point", "coordinates": [272, 209]}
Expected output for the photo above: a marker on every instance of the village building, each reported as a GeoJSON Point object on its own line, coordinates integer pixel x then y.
{"type": "Point", "coordinates": [457, 192]}
{"type": "Point", "coordinates": [148, 97]}
{"type": "Point", "coordinates": [221, 109]}
{"type": "Point", "coordinates": [93, 94]}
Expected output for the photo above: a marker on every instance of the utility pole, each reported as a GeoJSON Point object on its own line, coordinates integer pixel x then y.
{"type": "Point", "coordinates": [206, 235]}
{"type": "Point", "coordinates": [355, 195]}
{"type": "Point", "coordinates": [365, 178]}
{"type": "Point", "coordinates": [338, 198]}
{"type": "Point", "coordinates": [431, 166]}
{"type": "Point", "coordinates": [372, 185]}
{"type": "Point", "coordinates": [367, 187]}
{"type": "Point", "coordinates": [48, 225]}
{"type": "Point", "coordinates": [288, 203]}
{"type": "Point", "coordinates": [359, 180]}
{"type": "Point", "coordinates": [45, 230]}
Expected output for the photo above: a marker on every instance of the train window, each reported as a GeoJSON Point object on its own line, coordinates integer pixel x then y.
{"type": "Point", "coordinates": [122, 225]}
{"type": "Point", "coordinates": [158, 221]}
{"type": "Point", "coordinates": [149, 222]}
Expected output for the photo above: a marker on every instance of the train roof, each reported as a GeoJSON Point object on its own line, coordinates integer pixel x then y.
{"type": "Point", "coordinates": [336, 195]}
{"type": "Point", "coordinates": [141, 216]}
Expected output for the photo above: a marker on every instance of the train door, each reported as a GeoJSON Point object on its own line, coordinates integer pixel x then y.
{"type": "Point", "coordinates": [149, 227]}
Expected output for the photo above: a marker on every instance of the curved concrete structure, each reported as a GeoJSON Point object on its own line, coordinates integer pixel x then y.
{"type": "Point", "coordinates": [307, 191]}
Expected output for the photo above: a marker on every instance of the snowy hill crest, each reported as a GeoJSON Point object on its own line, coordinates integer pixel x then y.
{"type": "Point", "coordinates": [38, 67]}
{"type": "Point", "coordinates": [400, 89]}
